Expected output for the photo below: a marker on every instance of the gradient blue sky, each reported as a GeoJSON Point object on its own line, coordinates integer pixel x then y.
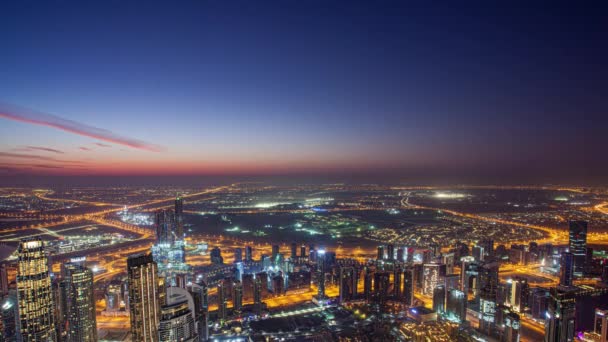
{"type": "Point", "coordinates": [223, 87]}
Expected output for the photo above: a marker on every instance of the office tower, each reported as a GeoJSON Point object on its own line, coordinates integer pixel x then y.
{"type": "Point", "coordinates": [222, 301]}
{"type": "Point", "coordinates": [408, 286]}
{"type": "Point", "coordinates": [248, 254]}
{"type": "Point", "coordinates": [600, 326]}
{"type": "Point", "coordinates": [275, 254]}
{"type": "Point", "coordinates": [3, 279]}
{"type": "Point", "coordinates": [113, 297]}
{"type": "Point", "coordinates": [381, 286]}
{"type": "Point", "coordinates": [164, 227]}
{"type": "Point", "coordinates": [560, 317]}
{"type": "Point", "coordinates": [9, 318]}
{"type": "Point", "coordinates": [488, 288]}
{"type": "Point", "coordinates": [397, 283]}
{"type": "Point", "coordinates": [456, 306]}
{"type": "Point", "coordinates": [179, 218]}
{"type": "Point", "coordinates": [511, 330]}
{"type": "Point", "coordinates": [578, 245]}
{"type": "Point", "coordinates": [367, 284]}
{"type": "Point", "coordinates": [199, 294]}
{"type": "Point", "coordinates": [257, 295]}
{"type": "Point", "coordinates": [478, 253]}
{"type": "Point", "coordinates": [238, 255]}
{"type": "Point", "coordinates": [539, 302]}
{"type": "Point", "coordinates": [80, 304]}
{"type": "Point", "coordinates": [347, 284]}
{"type": "Point", "coordinates": [145, 298]}
{"type": "Point", "coordinates": [177, 317]}
{"type": "Point", "coordinates": [321, 274]}
{"type": "Point", "coordinates": [216, 256]}
{"type": "Point", "coordinates": [303, 251]}
{"type": "Point", "coordinates": [34, 293]}
{"type": "Point", "coordinates": [294, 251]}
{"type": "Point", "coordinates": [452, 281]}
{"type": "Point", "coordinates": [448, 260]}
{"type": "Point", "coordinates": [488, 247]}
{"type": "Point", "coordinates": [391, 252]}
{"type": "Point", "coordinates": [520, 291]}
{"type": "Point", "coordinates": [433, 275]}
{"type": "Point", "coordinates": [380, 253]}
{"type": "Point", "coordinates": [237, 297]}
{"type": "Point", "coordinates": [400, 254]}
{"type": "Point", "coordinates": [439, 299]}
{"type": "Point", "coordinates": [566, 269]}
{"type": "Point", "coordinates": [469, 272]}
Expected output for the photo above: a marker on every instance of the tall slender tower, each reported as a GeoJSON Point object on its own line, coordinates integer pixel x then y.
{"type": "Point", "coordinates": [578, 245]}
{"type": "Point", "coordinates": [81, 316]}
{"type": "Point", "coordinates": [179, 218]}
{"type": "Point", "coordinates": [34, 293]}
{"type": "Point", "coordinates": [145, 298]}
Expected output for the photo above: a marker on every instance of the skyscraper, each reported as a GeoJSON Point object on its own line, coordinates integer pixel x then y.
{"type": "Point", "coordinates": [81, 315]}
{"type": "Point", "coordinates": [294, 251]}
{"type": "Point", "coordinates": [177, 317]}
{"type": "Point", "coordinates": [433, 275]}
{"type": "Point", "coordinates": [248, 254]}
{"type": "Point", "coordinates": [347, 284]}
{"type": "Point", "coordinates": [321, 274]}
{"type": "Point", "coordinates": [163, 222]}
{"type": "Point", "coordinates": [237, 297]}
{"type": "Point", "coordinates": [439, 299]}
{"type": "Point", "coordinates": [238, 255]}
{"type": "Point", "coordinates": [34, 293]}
{"type": "Point", "coordinates": [560, 318]}
{"type": "Point", "coordinates": [257, 295]}
{"type": "Point", "coordinates": [578, 244]}
{"type": "Point", "coordinates": [566, 269]}
{"type": "Point", "coordinates": [408, 286]}
{"type": "Point", "coordinates": [380, 253]}
{"type": "Point", "coordinates": [456, 305]}
{"type": "Point", "coordinates": [600, 326]}
{"type": "Point", "coordinates": [179, 218]}
{"type": "Point", "coordinates": [222, 296]}
{"type": "Point", "coordinates": [145, 298]}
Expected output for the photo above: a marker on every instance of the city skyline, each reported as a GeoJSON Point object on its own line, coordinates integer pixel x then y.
{"type": "Point", "coordinates": [418, 93]}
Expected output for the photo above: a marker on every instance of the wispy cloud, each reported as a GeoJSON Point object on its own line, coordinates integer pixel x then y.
{"type": "Point", "coordinates": [38, 148]}
{"type": "Point", "coordinates": [102, 145]}
{"type": "Point", "coordinates": [49, 120]}
{"type": "Point", "coordinates": [84, 148]}
{"type": "Point", "coordinates": [37, 157]}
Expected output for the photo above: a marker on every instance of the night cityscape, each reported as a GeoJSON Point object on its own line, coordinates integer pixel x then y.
{"type": "Point", "coordinates": [303, 171]}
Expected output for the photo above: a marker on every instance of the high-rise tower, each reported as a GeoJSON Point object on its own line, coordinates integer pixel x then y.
{"type": "Point", "coordinates": [34, 293]}
{"type": "Point", "coordinates": [578, 244]}
{"type": "Point", "coordinates": [145, 298]}
{"type": "Point", "coordinates": [80, 304]}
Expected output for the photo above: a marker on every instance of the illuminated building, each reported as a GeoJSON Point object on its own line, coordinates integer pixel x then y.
{"type": "Point", "coordinates": [248, 254]}
{"type": "Point", "coordinates": [145, 299]}
{"type": "Point", "coordinates": [433, 276]}
{"type": "Point", "coordinates": [34, 294]}
{"type": "Point", "coordinates": [578, 244]}
{"type": "Point", "coordinates": [80, 304]}
{"type": "Point", "coordinates": [9, 318]}
{"type": "Point", "coordinates": [400, 254]}
{"type": "Point", "coordinates": [367, 284]}
{"type": "Point", "coordinates": [199, 294]}
{"type": "Point", "coordinates": [381, 286]}
{"type": "Point", "coordinates": [391, 252]}
{"type": "Point", "coordinates": [511, 327]}
{"type": "Point", "coordinates": [179, 218]}
{"type": "Point", "coordinates": [439, 299]}
{"type": "Point", "coordinates": [237, 297]}
{"type": "Point", "coordinates": [294, 251]}
{"type": "Point", "coordinates": [163, 222]}
{"type": "Point", "coordinates": [238, 255]}
{"type": "Point", "coordinates": [347, 284]}
{"type": "Point", "coordinates": [113, 298]}
{"type": "Point", "coordinates": [397, 283]}
{"type": "Point", "coordinates": [222, 301]}
{"type": "Point", "coordinates": [321, 275]}
{"type": "Point", "coordinates": [275, 254]}
{"type": "Point", "coordinates": [380, 253]}
{"type": "Point", "coordinates": [303, 251]}
{"type": "Point", "coordinates": [519, 294]}
{"type": "Point", "coordinates": [566, 269]}
{"type": "Point", "coordinates": [456, 306]}
{"type": "Point", "coordinates": [478, 253]}
{"type": "Point", "coordinates": [560, 318]}
{"type": "Point", "coordinates": [488, 287]}
{"type": "Point", "coordinates": [216, 256]}
{"type": "Point", "coordinates": [469, 273]}
{"type": "Point", "coordinates": [600, 326]}
{"type": "Point", "coordinates": [408, 286]}
{"type": "Point", "coordinates": [177, 317]}
{"type": "Point", "coordinates": [257, 295]}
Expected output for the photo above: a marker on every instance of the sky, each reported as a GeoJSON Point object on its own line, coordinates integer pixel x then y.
{"type": "Point", "coordinates": [419, 91]}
